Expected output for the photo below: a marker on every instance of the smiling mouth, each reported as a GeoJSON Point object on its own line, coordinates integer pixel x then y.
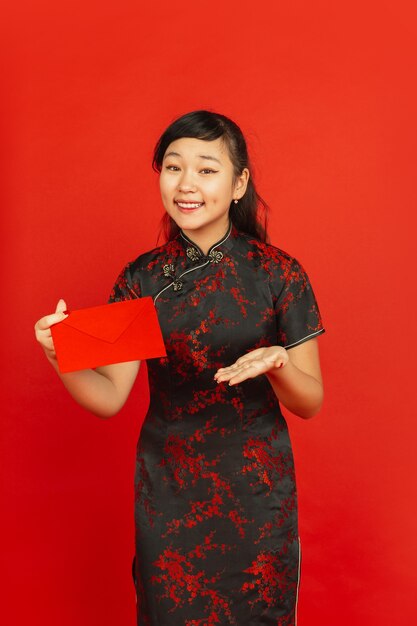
{"type": "Point", "coordinates": [189, 205]}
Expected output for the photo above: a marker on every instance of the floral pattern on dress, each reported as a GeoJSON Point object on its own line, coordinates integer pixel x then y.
{"type": "Point", "coordinates": [215, 492]}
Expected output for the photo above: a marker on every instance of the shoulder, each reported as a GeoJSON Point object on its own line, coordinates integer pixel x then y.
{"type": "Point", "coordinates": [271, 258]}
{"type": "Point", "coordinates": [138, 277]}
{"type": "Point", "coordinates": [160, 255]}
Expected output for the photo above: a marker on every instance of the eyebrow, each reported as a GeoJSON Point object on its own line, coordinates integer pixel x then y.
{"type": "Point", "coordinates": [200, 156]}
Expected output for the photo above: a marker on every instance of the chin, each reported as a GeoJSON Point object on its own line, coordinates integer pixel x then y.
{"type": "Point", "coordinates": [187, 222]}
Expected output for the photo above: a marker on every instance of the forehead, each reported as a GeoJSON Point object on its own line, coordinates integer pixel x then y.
{"type": "Point", "coordinates": [190, 148]}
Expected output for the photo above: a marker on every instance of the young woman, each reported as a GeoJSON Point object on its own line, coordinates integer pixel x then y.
{"type": "Point", "coordinates": [215, 506]}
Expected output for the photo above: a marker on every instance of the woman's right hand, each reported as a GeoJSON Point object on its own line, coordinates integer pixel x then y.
{"type": "Point", "coordinates": [43, 329]}
{"type": "Point", "coordinates": [102, 390]}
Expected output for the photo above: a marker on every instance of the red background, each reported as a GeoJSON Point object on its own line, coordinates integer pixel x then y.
{"type": "Point", "coordinates": [325, 93]}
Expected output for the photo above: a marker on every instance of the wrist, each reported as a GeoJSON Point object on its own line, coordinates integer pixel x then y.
{"type": "Point", "coordinates": [281, 358]}
{"type": "Point", "coordinates": [51, 357]}
{"type": "Point", "coordinates": [281, 366]}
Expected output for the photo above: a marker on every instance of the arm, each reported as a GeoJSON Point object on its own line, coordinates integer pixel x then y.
{"type": "Point", "coordinates": [299, 384]}
{"type": "Point", "coordinates": [294, 375]}
{"type": "Point", "coordinates": [104, 390]}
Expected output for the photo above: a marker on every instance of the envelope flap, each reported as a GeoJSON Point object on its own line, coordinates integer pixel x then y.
{"type": "Point", "coordinates": [109, 321]}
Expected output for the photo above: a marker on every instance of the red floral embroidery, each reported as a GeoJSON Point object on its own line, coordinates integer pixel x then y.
{"type": "Point", "coordinates": [269, 578]}
{"type": "Point", "coordinates": [183, 582]}
{"type": "Point", "coordinates": [263, 462]}
{"type": "Point", "coordinates": [216, 508]}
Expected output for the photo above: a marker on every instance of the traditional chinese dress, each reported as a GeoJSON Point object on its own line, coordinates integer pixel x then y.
{"type": "Point", "coordinates": [215, 493]}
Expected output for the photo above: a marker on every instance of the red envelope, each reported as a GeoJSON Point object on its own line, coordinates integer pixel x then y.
{"type": "Point", "coordinates": [112, 333]}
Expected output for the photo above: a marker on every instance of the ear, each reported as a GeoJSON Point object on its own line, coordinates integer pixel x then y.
{"type": "Point", "coordinates": [241, 184]}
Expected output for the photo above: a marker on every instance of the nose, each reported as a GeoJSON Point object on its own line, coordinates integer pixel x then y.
{"type": "Point", "coordinates": [186, 182]}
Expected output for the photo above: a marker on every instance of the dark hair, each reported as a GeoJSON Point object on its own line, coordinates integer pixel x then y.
{"type": "Point", "coordinates": [249, 215]}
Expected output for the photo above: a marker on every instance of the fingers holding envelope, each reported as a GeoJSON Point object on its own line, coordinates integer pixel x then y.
{"type": "Point", "coordinates": [43, 328]}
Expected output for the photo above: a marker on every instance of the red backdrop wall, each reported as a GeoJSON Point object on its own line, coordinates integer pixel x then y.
{"type": "Point", "coordinates": [325, 93]}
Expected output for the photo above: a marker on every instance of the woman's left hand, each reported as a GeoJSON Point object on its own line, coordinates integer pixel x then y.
{"type": "Point", "coordinates": [253, 364]}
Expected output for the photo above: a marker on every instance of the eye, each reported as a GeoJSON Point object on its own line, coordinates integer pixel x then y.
{"type": "Point", "coordinates": [207, 170]}
{"type": "Point", "coordinates": [172, 168]}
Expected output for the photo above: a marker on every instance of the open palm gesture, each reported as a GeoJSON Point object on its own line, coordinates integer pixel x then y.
{"type": "Point", "coordinates": [253, 364]}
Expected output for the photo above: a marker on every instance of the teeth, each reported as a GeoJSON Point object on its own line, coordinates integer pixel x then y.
{"type": "Point", "coordinates": [190, 205]}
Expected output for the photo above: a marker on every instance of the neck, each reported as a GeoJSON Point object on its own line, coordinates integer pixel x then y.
{"type": "Point", "coordinates": [206, 240]}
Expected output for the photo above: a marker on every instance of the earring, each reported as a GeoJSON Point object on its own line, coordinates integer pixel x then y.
{"type": "Point", "coordinates": [235, 201]}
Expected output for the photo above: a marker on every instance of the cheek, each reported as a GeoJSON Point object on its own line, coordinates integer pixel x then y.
{"type": "Point", "coordinates": [219, 192]}
{"type": "Point", "coordinates": [226, 194]}
{"type": "Point", "coordinates": [166, 202]}
{"type": "Point", "coordinates": [165, 188]}
{"type": "Point", "coordinates": [162, 182]}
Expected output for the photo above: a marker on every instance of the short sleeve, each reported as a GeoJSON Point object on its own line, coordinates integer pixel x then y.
{"type": "Point", "coordinates": [124, 288]}
{"type": "Point", "coordinates": [297, 312]}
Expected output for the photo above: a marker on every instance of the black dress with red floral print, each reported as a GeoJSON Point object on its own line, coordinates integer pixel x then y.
{"type": "Point", "coordinates": [215, 493]}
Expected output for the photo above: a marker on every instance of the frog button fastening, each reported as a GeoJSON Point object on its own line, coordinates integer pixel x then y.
{"type": "Point", "coordinates": [215, 256]}
{"type": "Point", "coordinates": [169, 270]}
{"type": "Point", "coordinates": [193, 254]}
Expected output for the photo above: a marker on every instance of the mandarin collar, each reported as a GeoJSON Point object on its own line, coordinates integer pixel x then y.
{"type": "Point", "coordinates": [215, 254]}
